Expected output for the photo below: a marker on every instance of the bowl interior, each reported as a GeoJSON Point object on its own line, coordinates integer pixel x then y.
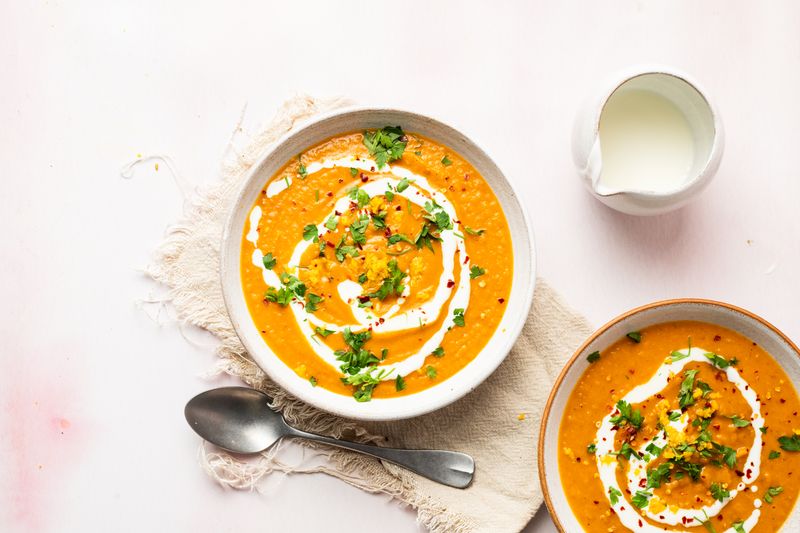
{"type": "Point", "coordinates": [752, 327]}
{"type": "Point", "coordinates": [437, 396]}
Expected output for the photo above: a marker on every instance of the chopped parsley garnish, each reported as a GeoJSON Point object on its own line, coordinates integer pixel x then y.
{"type": "Point", "coordinates": [658, 475]}
{"type": "Point", "coordinates": [614, 495]}
{"type": "Point", "coordinates": [594, 356]}
{"type": "Point", "coordinates": [640, 499]}
{"type": "Point", "coordinates": [313, 301]}
{"type": "Point", "coordinates": [389, 195]}
{"type": "Point", "coordinates": [626, 450]}
{"type": "Point", "coordinates": [353, 171]}
{"type": "Point", "coordinates": [719, 492]}
{"type": "Point", "coordinates": [438, 352]}
{"type": "Point", "coordinates": [771, 493]}
{"type": "Point", "coordinates": [677, 356]}
{"type": "Point", "coordinates": [342, 250]}
{"type": "Point", "coordinates": [739, 422]}
{"type": "Point", "coordinates": [399, 237]}
{"type": "Point", "coordinates": [591, 449]}
{"type": "Point", "coordinates": [719, 361]}
{"type": "Point", "coordinates": [310, 232]}
{"type": "Point", "coordinates": [331, 222]}
{"type": "Point", "coordinates": [685, 397]}
{"type": "Point", "coordinates": [738, 526]}
{"type": "Point", "coordinates": [359, 196]}
{"type": "Point", "coordinates": [475, 271]}
{"type": "Point", "coordinates": [458, 317]}
{"type": "Point", "coordinates": [437, 215]}
{"type": "Point", "coordinates": [386, 144]}
{"type": "Point", "coordinates": [635, 336]}
{"type": "Point", "coordinates": [291, 288]}
{"type": "Point", "coordinates": [418, 153]}
{"type": "Point", "coordinates": [728, 454]}
{"type": "Point", "coordinates": [399, 383]}
{"type": "Point", "coordinates": [362, 278]}
{"type": "Point", "coordinates": [403, 184]}
{"type": "Point", "coordinates": [384, 353]}
{"type": "Point", "coordinates": [280, 296]}
{"type": "Point", "coordinates": [790, 443]}
{"type": "Point", "coordinates": [313, 381]}
{"type": "Point", "coordinates": [365, 383]}
{"type": "Point", "coordinates": [674, 415]}
{"type": "Point", "coordinates": [356, 358]}
{"type": "Point", "coordinates": [358, 230]}
{"type": "Point", "coordinates": [323, 331]}
{"type": "Point", "coordinates": [627, 415]}
{"type": "Point", "coordinates": [653, 450]}
{"type": "Point", "coordinates": [269, 261]}
{"type": "Point", "coordinates": [392, 284]}
{"type": "Point", "coordinates": [379, 220]}
{"type": "Point", "coordinates": [431, 372]}
{"type": "Point", "coordinates": [774, 454]}
{"type": "Point", "coordinates": [446, 161]}
{"type": "Point", "coordinates": [302, 171]}
{"type": "Point", "coordinates": [475, 232]}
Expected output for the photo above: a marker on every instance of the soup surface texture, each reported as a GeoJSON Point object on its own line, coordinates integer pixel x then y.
{"type": "Point", "coordinates": [683, 426]}
{"type": "Point", "coordinates": [376, 263]}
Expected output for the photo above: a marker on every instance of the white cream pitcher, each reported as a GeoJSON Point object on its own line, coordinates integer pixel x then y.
{"type": "Point", "coordinates": [648, 141]}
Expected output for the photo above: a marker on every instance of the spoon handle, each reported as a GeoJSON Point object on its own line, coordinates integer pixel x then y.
{"type": "Point", "coordinates": [454, 469]}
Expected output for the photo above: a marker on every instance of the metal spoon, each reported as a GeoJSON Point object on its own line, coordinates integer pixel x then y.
{"type": "Point", "coordinates": [239, 419]}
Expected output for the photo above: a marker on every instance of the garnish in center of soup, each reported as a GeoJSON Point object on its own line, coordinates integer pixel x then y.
{"type": "Point", "coordinates": [682, 426]}
{"type": "Point", "coordinates": [376, 264]}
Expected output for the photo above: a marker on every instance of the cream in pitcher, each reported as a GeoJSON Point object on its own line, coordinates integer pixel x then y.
{"type": "Point", "coordinates": [648, 143]}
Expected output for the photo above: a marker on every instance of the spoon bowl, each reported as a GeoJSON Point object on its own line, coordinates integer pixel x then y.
{"type": "Point", "coordinates": [236, 419]}
{"type": "Point", "coordinates": [240, 420]}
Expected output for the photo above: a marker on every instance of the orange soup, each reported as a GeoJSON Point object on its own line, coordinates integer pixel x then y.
{"type": "Point", "coordinates": [683, 426]}
{"type": "Point", "coordinates": [376, 264]}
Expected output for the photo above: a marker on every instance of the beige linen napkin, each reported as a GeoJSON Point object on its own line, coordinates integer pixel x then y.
{"type": "Point", "coordinates": [497, 423]}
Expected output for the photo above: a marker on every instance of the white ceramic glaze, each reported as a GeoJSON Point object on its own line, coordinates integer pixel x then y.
{"type": "Point", "coordinates": [498, 346]}
{"type": "Point", "coordinates": [704, 121]}
{"type": "Point", "coordinates": [749, 325]}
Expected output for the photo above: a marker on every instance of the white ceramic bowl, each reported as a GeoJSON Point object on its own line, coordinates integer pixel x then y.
{"type": "Point", "coordinates": [499, 344]}
{"type": "Point", "coordinates": [751, 326]}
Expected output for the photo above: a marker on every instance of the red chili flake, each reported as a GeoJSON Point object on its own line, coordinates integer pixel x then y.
{"type": "Point", "coordinates": [330, 244]}
{"type": "Point", "coordinates": [364, 177]}
{"type": "Point", "coordinates": [501, 300]}
{"type": "Point", "coordinates": [717, 338]}
{"type": "Point", "coordinates": [450, 283]}
{"type": "Point", "coordinates": [739, 473]}
{"type": "Point", "coordinates": [341, 180]}
{"type": "Point", "coordinates": [264, 191]}
{"type": "Point", "coordinates": [783, 401]}
{"type": "Point", "coordinates": [372, 169]}
{"type": "Point", "coordinates": [642, 482]}
{"type": "Point", "coordinates": [660, 396]}
{"type": "Point", "coordinates": [595, 502]}
{"type": "Point", "coordinates": [466, 260]}
{"type": "Point", "coordinates": [363, 299]}
{"type": "Point", "coordinates": [381, 320]}
{"type": "Point", "coordinates": [329, 194]}
{"type": "Point", "coordinates": [398, 208]}
{"type": "Point", "coordinates": [716, 426]}
{"type": "Point", "coordinates": [749, 472]}
{"type": "Point", "coordinates": [640, 522]}
{"type": "Point", "coordinates": [578, 459]}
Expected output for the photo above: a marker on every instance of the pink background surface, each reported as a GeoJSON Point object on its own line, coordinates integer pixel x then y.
{"type": "Point", "coordinates": [92, 435]}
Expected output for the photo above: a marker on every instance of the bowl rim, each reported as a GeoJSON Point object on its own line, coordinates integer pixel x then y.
{"type": "Point", "coordinates": [512, 332]}
{"type": "Point", "coordinates": [602, 329]}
